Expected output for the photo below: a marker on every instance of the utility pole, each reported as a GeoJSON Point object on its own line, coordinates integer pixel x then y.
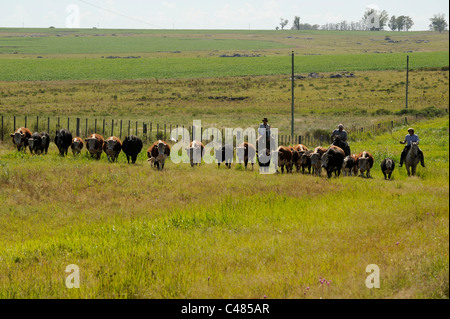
{"type": "Point", "coordinates": [293, 96]}
{"type": "Point", "coordinates": [407, 80]}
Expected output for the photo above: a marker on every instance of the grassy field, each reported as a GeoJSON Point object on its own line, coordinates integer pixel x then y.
{"type": "Point", "coordinates": [206, 232]}
{"type": "Point", "coordinates": [369, 98]}
{"type": "Point", "coordinates": [209, 233]}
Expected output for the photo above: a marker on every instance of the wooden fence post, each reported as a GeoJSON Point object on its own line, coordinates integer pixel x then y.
{"type": "Point", "coordinates": [112, 127]}
{"type": "Point", "coordinates": [26, 121]}
{"type": "Point", "coordinates": [48, 125]}
{"type": "Point", "coordinates": [37, 123]}
{"type": "Point", "coordinates": [15, 123]}
{"type": "Point", "coordinates": [87, 130]}
{"type": "Point", "coordinates": [95, 126]}
{"type": "Point", "coordinates": [77, 131]}
{"type": "Point", "coordinates": [103, 133]}
{"type": "Point", "coordinates": [68, 123]}
{"type": "Point", "coordinates": [2, 128]}
{"type": "Point", "coordinates": [120, 134]}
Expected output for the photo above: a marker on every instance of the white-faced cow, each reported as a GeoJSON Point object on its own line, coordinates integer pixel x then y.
{"type": "Point", "coordinates": [132, 146]}
{"type": "Point", "coordinates": [246, 153]}
{"type": "Point", "coordinates": [94, 145]}
{"type": "Point", "coordinates": [112, 147]}
{"type": "Point", "coordinates": [332, 160]}
{"type": "Point", "coordinates": [387, 167]}
{"type": "Point", "coordinates": [284, 159]}
{"type": "Point", "coordinates": [63, 140]}
{"type": "Point", "coordinates": [20, 138]}
{"type": "Point", "coordinates": [77, 145]}
{"type": "Point", "coordinates": [316, 163]}
{"type": "Point", "coordinates": [195, 152]}
{"type": "Point", "coordinates": [158, 153]}
{"type": "Point", "coordinates": [365, 163]}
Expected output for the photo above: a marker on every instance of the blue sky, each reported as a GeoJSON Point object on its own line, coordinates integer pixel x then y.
{"type": "Point", "coordinates": [206, 14]}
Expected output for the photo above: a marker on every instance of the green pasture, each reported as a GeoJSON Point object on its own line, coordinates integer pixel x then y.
{"type": "Point", "coordinates": [206, 232]}
{"type": "Point", "coordinates": [173, 67]}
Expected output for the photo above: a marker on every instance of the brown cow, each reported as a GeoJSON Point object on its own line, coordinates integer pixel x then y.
{"type": "Point", "coordinates": [305, 160]}
{"type": "Point", "coordinates": [297, 153]}
{"type": "Point", "coordinates": [94, 144]}
{"type": "Point", "coordinates": [158, 153]}
{"type": "Point", "coordinates": [246, 152]}
{"type": "Point", "coordinates": [284, 159]}
{"type": "Point", "coordinates": [77, 145]}
{"type": "Point", "coordinates": [112, 147]}
{"type": "Point", "coordinates": [20, 138]}
{"type": "Point", "coordinates": [365, 163]}
{"type": "Point", "coordinates": [195, 152]}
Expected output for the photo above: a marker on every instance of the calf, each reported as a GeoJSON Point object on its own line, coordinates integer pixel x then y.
{"type": "Point", "coordinates": [284, 159]}
{"type": "Point", "coordinates": [132, 146]}
{"type": "Point", "coordinates": [94, 145]}
{"type": "Point", "coordinates": [20, 138]}
{"type": "Point", "coordinates": [365, 163]}
{"type": "Point", "coordinates": [306, 161]}
{"type": "Point", "coordinates": [225, 155]}
{"type": "Point", "coordinates": [195, 152]}
{"type": "Point", "coordinates": [320, 150]}
{"type": "Point", "coordinates": [348, 165]}
{"type": "Point", "coordinates": [387, 167]}
{"type": "Point", "coordinates": [332, 160]}
{"type": "Point", "coordinates": [63, 140]}
{"type": "Point", "coordinates": [316, 163]}
{"type": "Point", "coordinates": [45, 141]}
{"type": "Point", "coordinates": [246, 152]}
{"type": "Point", "coordinates": [158, 153]}
{"type": "Point", "coordinates": [35, 143]}
{"type": "Point", "coordinates": [77, 145]}
{"type": "Point", "coordinates": [112, 147]}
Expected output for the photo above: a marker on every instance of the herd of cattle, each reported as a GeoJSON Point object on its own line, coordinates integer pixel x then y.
{"type": "Point", "coordinates": [332, 159]}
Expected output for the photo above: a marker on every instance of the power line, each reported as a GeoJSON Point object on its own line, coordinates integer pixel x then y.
{"type": "Point", "coordinates": [120, 14]}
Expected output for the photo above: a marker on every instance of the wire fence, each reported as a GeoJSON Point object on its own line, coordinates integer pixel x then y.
{"type": "Point", "coordinates": [150, 131]}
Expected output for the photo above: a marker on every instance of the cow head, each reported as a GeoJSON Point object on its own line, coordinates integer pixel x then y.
{"type": "Point", "coordinates": [77, 145]}
{"type": "Point", "coordinates": [240, 152]}
{"type": "Point", "coordinates": [91, 144]}
{"type": "Point", "coordinates": [45, 139]}
{"type": "Point", "coordinates": [110, 145]}
{"type": "Point", "coordinates": [31, 143]}
{"type": "Point", "coordinates": [363, 164]}
{"type": "Point", "coordinates": [18, 137]}
{"type": "Point", "coordinates": [161, 149]}
{"type": "Point", "coordinates": [326, 158]}
{"type": "Point", "coordinates": [389, 164]}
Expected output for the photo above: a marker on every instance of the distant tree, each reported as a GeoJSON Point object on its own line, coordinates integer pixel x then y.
{"type": "Point", "coordinates": [401, 20]}
{"type": "Point", "coordinates": [283, 23]}
{"type": "Point", "coordinates": [404, 23]}
{"type": "Point", "coordinates": [408, 23]}
{"type": "Point", "coordinates": [375, 19]}
{"type": "Point", "coordinates": [393, 23]}
{"type": "Point", "coordinates": [438, 23]}
{"type": "Point", "coordinates": [296, 25]}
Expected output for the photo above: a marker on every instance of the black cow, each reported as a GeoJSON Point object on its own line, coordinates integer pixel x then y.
{"type": "Point", "coordinates": [35, 143]}
{"type": "Point", "coordinates": [387, 167]}
{"type": "Point", "coordinates": [63, 140]}
{"type": "Point", "coordinates": [45, 141]}
{"type": "Point", "coordinates": [132, 146]}
{"type": "Point", "coordinates": [225, 155]}
{"type": "Point", "coordinates": [332, 160]}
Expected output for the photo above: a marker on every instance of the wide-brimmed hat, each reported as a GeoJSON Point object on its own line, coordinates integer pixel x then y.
{"type": "Point", "coordinates": [265, 119]}
{"type": "Point", "coordinates": [341, 125]}
{"type": "Point", "coordinates": [410, 129]}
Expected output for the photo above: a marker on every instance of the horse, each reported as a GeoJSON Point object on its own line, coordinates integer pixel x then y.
{"type": "Point", "coordinates": [337, 142]}
{"type": "Point", "coordinates": [412, 159]}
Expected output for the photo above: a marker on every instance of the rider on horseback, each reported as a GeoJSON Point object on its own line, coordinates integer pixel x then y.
{"type": "Point", "coordinates": [341, 135]}
{"type": "Point", "coordinates": [264, 129]}
{"type": "Point", "coordinates": [408, 140]}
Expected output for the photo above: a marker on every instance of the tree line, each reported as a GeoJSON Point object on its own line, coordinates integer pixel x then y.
{"type": "Point", "coordinates": [374, 20]}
